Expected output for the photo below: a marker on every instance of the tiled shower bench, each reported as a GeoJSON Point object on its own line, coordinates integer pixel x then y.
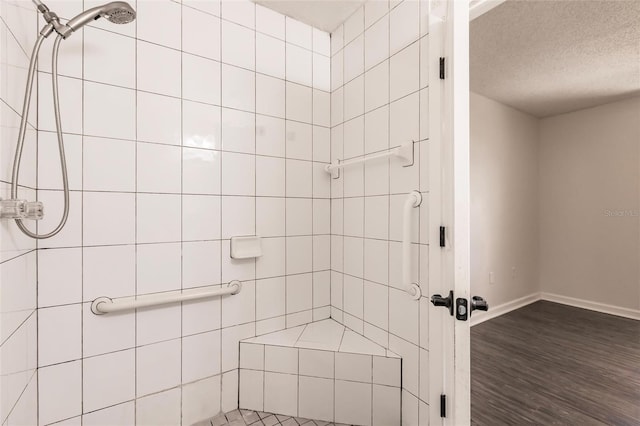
{"type": "Point", "coordinates": [322, 371]}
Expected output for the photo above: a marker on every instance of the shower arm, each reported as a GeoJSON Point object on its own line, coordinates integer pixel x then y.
{"type": "Point", "coordinates": [41, 6]}
{"type": "Point", "coordinates": [52, 20]}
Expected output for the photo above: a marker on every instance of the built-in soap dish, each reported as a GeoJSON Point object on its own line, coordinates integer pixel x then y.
{"type": "Point", "coordinates": [247, 247]}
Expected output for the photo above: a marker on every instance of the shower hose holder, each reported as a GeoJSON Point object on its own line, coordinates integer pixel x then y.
{"type": "Point", "coordinates": [21, 209]}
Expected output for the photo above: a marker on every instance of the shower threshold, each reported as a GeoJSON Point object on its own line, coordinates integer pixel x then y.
{"type": "Point", "coordinates": [258, 418]}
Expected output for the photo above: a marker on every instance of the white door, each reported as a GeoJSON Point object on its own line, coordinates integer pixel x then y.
{"type": "Point", "coordinates": [449, 343]}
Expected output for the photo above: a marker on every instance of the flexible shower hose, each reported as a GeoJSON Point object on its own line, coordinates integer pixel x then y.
{"type": "Point", "coordinates": [23, 128]}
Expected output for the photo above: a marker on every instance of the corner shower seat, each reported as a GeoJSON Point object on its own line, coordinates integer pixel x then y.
{"type": "Point", "coordinates": [322, 371]}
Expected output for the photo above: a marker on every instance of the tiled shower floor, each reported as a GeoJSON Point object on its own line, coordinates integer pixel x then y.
{"type": "Point", "coordinates": [257, 418]}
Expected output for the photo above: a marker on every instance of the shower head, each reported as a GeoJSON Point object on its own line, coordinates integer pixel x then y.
{"type": "Point", "coordinates": [118, 12]}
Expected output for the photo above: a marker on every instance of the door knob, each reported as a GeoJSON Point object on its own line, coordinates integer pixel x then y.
{"type": "Point", "coordinates": [479, 304]}
{"type": "Point", "coordinates": [447, 302]}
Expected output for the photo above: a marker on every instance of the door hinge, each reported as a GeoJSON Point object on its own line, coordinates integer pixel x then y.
{"type": "Point", "coordinates": [443, 405]}
{"type": "Point", "coordinates": [441, 68]}
{"type": "Point", "coordinates": [442, 241]}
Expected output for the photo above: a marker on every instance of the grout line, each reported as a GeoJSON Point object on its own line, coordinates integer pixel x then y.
{"type": "Point", "coordinates": [82, 237]}
{"type": "Point", "coordinates": [182, 149]}
{"type": "Point", "coordinates": [364, 183]}
{"type": "Point", "coordinates": [286, 241]}
{"type": "Point", "coordinates": [313, 260]}
{"type": "Point", "coordinates": [255, 204]}
{"type": "Point", "coordinates": [6, 415]}
{"type": "Point", "coordinates": [344, 175]}
{"type": "Point", "coordinates": [23, 323]}
{"type": "Point", "coordinates": [389, 181]}
{"type": "Point", "coordinates": [222, 20]}
{"type": "Point", "coordinates": [197, 101]}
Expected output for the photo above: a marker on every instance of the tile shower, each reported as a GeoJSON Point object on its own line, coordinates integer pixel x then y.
{"type": "Point", "coordinates": [175, 144]}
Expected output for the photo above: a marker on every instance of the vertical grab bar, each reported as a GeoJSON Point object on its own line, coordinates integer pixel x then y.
{"type": "Point", "coordinates": [414, 199]}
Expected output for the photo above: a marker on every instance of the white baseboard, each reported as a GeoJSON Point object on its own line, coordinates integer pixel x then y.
{"type": "Point", "coordinates": [496, 311]}
{"type": "Point", "coordinates": [592, 306]}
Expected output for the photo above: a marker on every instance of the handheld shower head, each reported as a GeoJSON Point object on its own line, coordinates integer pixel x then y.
{"type": "Point", "coordinates": [121, 15]}
{"type": "Point", "coordinates": [118, 12]}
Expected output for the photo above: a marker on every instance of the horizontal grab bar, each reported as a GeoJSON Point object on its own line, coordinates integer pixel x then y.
{"type": "Point", "coordinates": [403, 152]}
{"type": "Point", "coordinates": [106, 305]}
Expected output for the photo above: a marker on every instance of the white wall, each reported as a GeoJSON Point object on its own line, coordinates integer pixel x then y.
{"type": "Point", "coordinates": [18, 317]}
{"type": "Point", "coordinates": [558, 198]}
{"type": "Point", "coordinates": [504, 201]}
{"type": "Point", "coordinates": [380, 100]}
{"type": "Point", "coordinates": [589, 204]}
{"type": "Point", "coordinates": [195, 123]}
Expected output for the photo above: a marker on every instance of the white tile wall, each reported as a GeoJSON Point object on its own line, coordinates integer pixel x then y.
{"type": "Point", "coordinates": [200, 121]}
{"type": "Point", "coordinates": [18, 317]}
{"type": "Point", "coordinates": [379, 100]}
{"type": "Point", "coordinates": [281, 393]}
{"type": "Point", "coordinates": [271, 381]}
{"type": "Point", "coordinates": [334, 369]}
{"type": "Point", "coordinates": [353, 402]}
{"type": "Point", "coordinates": [229, 138]}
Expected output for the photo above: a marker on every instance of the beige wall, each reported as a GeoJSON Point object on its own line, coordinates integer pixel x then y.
{"type": "Point", "coordinates": [589, 204]}
{"type": "Point", "coordinates": [559, 200]}
{"type": "Point", "coordinates": [504, 201]}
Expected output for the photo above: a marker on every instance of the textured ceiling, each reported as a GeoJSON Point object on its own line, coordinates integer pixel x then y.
{"type": "Point", "coordinates": [551, 57]}
{"type": "Point", "coordinates": [326, 15]}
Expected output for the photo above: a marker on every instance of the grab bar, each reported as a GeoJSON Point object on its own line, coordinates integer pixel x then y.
{"type": "Point", "coordinates": [106, 305]}
{"type": "Point", "coordinates": [414, 199]}
{"type": "Point", "coordinates": [403, 152]}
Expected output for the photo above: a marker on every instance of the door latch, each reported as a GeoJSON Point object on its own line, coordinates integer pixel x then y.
{"type": "Point", "coordinates": [447, 302]}
{"type": "Point", "coordinates": [462, 311]}
{"type": "Point", "coordinates": [463, 308]}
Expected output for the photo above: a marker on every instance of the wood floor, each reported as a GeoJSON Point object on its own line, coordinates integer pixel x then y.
{"type": "Point", "coordinates": [551, 364]}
